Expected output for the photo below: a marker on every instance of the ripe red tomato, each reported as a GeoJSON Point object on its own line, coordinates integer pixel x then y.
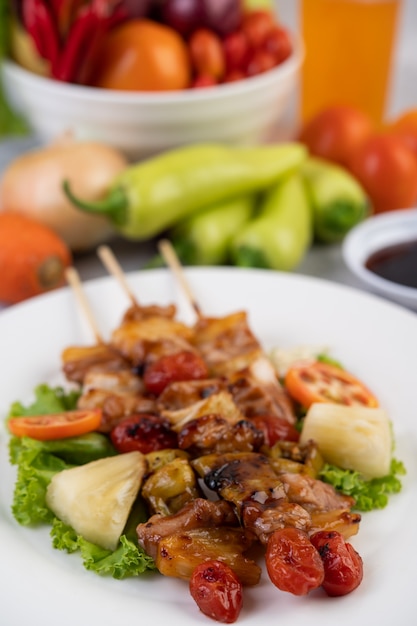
{"type": "Point", "coordinates": [236, 51]}
{"type": "Point", "coordinates": [387, 170]}
{"type": "Point", "coordinates": [143, 55]}
{"type": "Point", "coordinates": [405, 126]}
{"type": "Point", "coordinates": [278, 44]}
{"type": "Point", "coordinates": [292, 562]}
{"type": "Point", "coordinates": [206, 52]}
{"type": "Point", "coordinates": [275, 429]}
{"type": "Point", "coordinates": [259, 62]}
{"type": "Point", "coordinates": [184, 365]}
{"type": "Point", "coordinates": [321, 382]}
{"type": "Point", "coordinates": [143, 432]}
{"type": "Point", "coordinates": [343, 567]}
{"type": "Point", "coordinates": [217, 591]}
{"type": "Point", "coordinates": [335, 133]}
{"type": "Point", "coordinates": [256, 25]}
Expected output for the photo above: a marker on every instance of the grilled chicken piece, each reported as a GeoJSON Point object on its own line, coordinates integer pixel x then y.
{"type": "Point", "coordinates": [178, 555]}
{"type": "Point", "coordinates": [180, 394]}
{"type": "Point", "coordinates": [221, 403]}
{"type": "Point", "coordinates": [199, 513]}
{"type": "Point", "coordinates": [202, 530]}
{"type": "Point", "coordinates": [78, 360]}
{"type": "Point", "coordinates": [117, 392]}
{"type": "Point", "coordinates": [257, 391]}
{"type": "Point", "coordinates": [240, 476]}
{"type": "Point", "coordinates": [264, 518]}
{"type": "Point", "coordinates": [227, 344]}
{"type": "Point", "coordinates": [212, 433]}
{"type": "Point", "coordinates": [144, 341]}
{"type": "Point", "coordinates": [314, 495]}
{"type": "Point", "coordinates": [140, 312]}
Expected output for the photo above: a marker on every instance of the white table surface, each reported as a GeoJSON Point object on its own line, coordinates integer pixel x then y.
{"type": "Point", "coordinates": [321, 261]}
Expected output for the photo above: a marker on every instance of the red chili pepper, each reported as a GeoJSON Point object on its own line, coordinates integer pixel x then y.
{"type": "Point", "coordinates": [40, 25]}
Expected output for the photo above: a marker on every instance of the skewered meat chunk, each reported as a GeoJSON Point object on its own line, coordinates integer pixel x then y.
{"type": "Point", "coordinates": [212, 433]}
{"type": "Point", "coordinates": [200, 513]}
{"type": "Point", "coordinates": [314, 495]}
{"type": "Point", "coordinates": [264, 518]}
{"type": "Point", "coordinates": [146, 340]}
{"type": "Point", "coordinates": [226, 343]}
{"type": "Point", "coordinates": [78, 360]}
{"type": "Point", "coordinates": [221, 403]}
{"type": "Point", "coordinates": [138, 312]}
{"type": "Point", "coordinates": [180, 394]}
{"type": "Point", "coordinates": [202, 530]}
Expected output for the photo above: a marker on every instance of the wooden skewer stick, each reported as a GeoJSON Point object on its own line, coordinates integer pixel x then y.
{"type": "Point", "coordinates": [171, 259]}
{"type": "Point", "coordinates": [74, 281]}
{"type": "Point", "coordinates": [113, 267]}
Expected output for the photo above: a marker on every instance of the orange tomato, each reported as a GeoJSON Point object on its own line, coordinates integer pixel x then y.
{"type": "Point", "coordinates": [405, 126]}
{"type": "Point", "coordinates": [55, 426]}
{"type": "Point", "coordinates": [387, 170]}
{"type": "Point", "coordinates": [335, 133]}
{"type": "Point", "coordinates": [143, 55]}
{"type": "Point", "coordinates": [322, 382]}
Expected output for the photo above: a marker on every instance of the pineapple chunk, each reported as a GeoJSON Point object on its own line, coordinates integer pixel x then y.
{"type": "Point", "coordinates": [96, 498]}
{"type": "Point", "coordinates": [351, 437]}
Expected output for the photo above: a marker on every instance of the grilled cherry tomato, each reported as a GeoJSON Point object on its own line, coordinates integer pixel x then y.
{"type": "Point", "coordinates": [343, 567]}
{"type": "Point", "coordinates": [217, 591]}
{"type": "Point", "coordinates": [275, 429]}
{"type": "Point", "coordinates": [55, 426]}
{"type": "Point", "coordinates": [292, 562]}
{"type": "Point", "coordinates": [184, 365]}
{"type": "Point", "coordinates": [143, 432]}
{"type": "Point", "coordinates": [321, 382]}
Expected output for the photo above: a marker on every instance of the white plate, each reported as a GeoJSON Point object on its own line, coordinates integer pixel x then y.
{"type": "Point", "coordinates": [375, 339]}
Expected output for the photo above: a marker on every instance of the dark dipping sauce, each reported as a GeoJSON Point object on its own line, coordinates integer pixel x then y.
{"type": "Point", "coordinates": [397, 263]}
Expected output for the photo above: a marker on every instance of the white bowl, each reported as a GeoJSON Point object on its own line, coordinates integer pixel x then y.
{"type": "Point", "coordinates": [376, 233]}
{"type": "Point", "coordinates": [142, 124]}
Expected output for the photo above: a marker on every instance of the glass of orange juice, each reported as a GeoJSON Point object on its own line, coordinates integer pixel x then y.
{"type": "Point", "coordinates": [349, 50]}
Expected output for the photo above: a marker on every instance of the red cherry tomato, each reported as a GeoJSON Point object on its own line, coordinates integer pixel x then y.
{"type": "Point", "coordinates": [217, 591]}
{"type": "Point", "coordinates": [143, 432]}
{"type": "Point", "coordinates": [55, 426]}
{"type": "Point", "coordinates": [335, 133]}
{"type": "Point", "coordinates": [236, 51]}
{"type": "Point", "coordinates": [184, 365]}
{"type": "Point", "coordinates": [206, 52]}
{"type": "Point", "coordinates": [256, 25]}
{"type": "Point", "coordinates": [292, 562]}
{"type": "Point", "coordinates": [343, 566]}
{"type": "Point", "coordinates": [260, 62]}
{"type": "Point", "coordinates": [203, 80]}
{"type": "Point", "coordinates": [275, 429]}
{"type": "Point", "coordinates": [405, 126]}
{"type": "Point", "coordinates": [278, 44]}
{"type": "Point", "coordinates": [387, 169]}
{"type": "Point", "coordinates": [321, 382]}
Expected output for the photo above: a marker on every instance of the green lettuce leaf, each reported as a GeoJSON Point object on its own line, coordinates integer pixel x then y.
{"type": "Point", "coordinates": [368, 494]}
{"type": "Point", "coordinates": [47, 400]}
{"type": "Point", "coordinates": [127, 560]}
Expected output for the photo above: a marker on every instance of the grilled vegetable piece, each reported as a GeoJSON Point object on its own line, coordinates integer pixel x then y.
{"type": "Point", "coordinates": [351, 437]}
{"type": "Point", "coordinates": [170, 487]}
{"type": "Point", "coordinates": [95, 499]}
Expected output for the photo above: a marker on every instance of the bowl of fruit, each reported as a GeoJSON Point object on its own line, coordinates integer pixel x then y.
{"type": "Point", "coordinates": [150, 75]}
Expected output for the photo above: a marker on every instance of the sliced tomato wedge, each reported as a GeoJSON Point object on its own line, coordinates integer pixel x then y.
{"type": "Point", "coordinates": [314, 381]}
{"type": "Point", "coordinates": [56, 425]}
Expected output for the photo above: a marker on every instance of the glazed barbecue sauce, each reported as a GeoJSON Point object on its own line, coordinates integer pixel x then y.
{"type": "Point", "coordinates": [397, 263]}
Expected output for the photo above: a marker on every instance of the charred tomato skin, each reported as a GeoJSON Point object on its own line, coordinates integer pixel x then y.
{"type": "Point", "coordinates": [143, 432]}
{"type": "Point", "coordinates": [217, 591]}
{"type": "Point", "coordinates": [184, 365]}
{"type": "Point", "coordinates": [292, 562]}
{"type": "Point", "coordinates": [343, 566]}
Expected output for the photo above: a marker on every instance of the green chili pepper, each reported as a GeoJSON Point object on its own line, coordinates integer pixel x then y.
{"type": "Point", "coordinates": [337, 199]}
{"type": "Point", "coordinates": [280, 235]}
{"type": "Point", "coordinates": [204, 238]}
{"type": "Point", "coordinates": [153, 195]}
